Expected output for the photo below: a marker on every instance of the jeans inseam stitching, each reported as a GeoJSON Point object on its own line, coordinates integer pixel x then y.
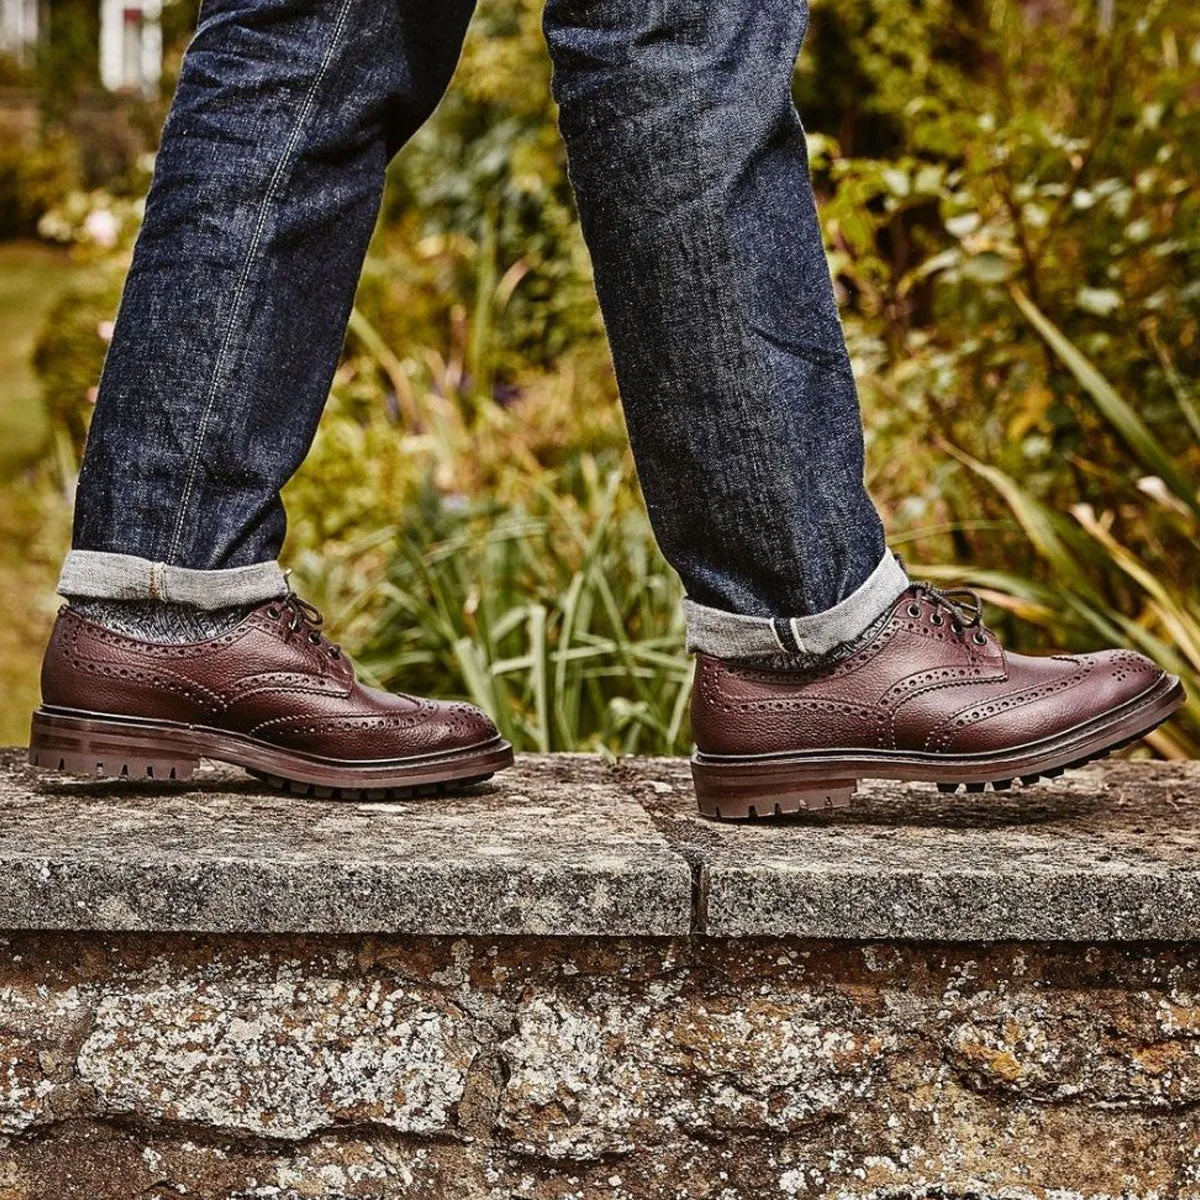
{"type": "Point", "coordinates": [778, 639]}
{"type": "Point", "coordinates": [247, 270]}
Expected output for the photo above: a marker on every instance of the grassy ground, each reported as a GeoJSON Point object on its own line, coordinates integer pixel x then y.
{"type": "Point", "coordinates": [33, 518]}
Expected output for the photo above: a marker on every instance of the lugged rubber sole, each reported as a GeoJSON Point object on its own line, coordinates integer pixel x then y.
{"type": "Point", "coordinates": [80, 743]}
{"type": "Point", "coordinates": [743, 787]}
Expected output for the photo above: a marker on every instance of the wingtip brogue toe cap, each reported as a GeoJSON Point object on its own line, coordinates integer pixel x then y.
{"type": "Point", "coordinates": [273, 695]}
{"type": "Point", "coordinates": [1118, 677]}
{"type": "Point", "coordinates": [455, 725]}
{"type": "Point", "coordinates": [1049, 696]}
{"type": "Point", "coordinates": [406, 726]}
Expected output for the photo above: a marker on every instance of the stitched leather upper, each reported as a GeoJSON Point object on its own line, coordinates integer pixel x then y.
{"type": "Point", "coordinates": [262, 678]}
{"type": "Point", "coordinates": [917, 685]}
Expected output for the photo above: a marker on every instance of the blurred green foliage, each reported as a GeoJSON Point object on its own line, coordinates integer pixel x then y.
{"type": "Point", "coordinates": [1009, 192]}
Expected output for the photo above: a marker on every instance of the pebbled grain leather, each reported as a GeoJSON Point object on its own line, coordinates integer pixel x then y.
{"type": "Point", "coordinates": [923, 683]}
{"type": "Point", "coordinates": [286, 686]}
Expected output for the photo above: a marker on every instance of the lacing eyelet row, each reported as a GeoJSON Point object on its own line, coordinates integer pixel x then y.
{"type": "Point", "coordinates": [304, 614]}
{"type": "Point", "coordinates": [964, 606]}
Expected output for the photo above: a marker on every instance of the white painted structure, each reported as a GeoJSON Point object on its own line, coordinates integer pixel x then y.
{"type": "Point", "coordinates": [130, 40]}
{"type": "Point", "coordinates": [130, 45]}
{"type": "Point", "coordinates": [18, 26]}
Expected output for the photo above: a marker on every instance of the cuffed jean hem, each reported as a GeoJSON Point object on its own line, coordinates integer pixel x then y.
{"type": "Point", "coordinates": [732, 636]}
{"type": "Point", "coordinates": [99, 575]}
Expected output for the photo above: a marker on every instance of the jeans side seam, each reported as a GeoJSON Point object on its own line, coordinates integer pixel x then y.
{"type": "Point", "coordinates": [800, 646]}
{"type": "Point", "coordinates": [247, 270]}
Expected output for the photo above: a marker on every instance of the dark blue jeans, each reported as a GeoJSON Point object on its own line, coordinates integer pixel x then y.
{"type": "Point", "coordinates": [688, 161]}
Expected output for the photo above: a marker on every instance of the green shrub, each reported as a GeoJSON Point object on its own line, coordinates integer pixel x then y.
{"type": "Point", "coordinates": [70, 351]}
{"type": "Point", "coordinates": [35, 173]}
{"type": "Point", "coordinates": [469, 516]}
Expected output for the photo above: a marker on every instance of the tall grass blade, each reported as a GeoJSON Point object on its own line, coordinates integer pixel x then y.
{"type": "Point", "coordinates": [1117, 411]}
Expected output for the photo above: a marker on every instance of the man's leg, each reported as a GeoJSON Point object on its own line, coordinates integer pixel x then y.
{"type": "Point", "coordinates": [266, 190]}
{"type": "Point", "coordinates": [181, 639]}
{"type": "Point", "coordinates": [689, 165]}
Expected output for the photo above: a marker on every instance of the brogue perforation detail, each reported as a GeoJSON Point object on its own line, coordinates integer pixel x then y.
{"type": "Point", "coordinates": [931, 679]}
{"type": "Point", "coordinates": [719, 698]}
{"type": "Point", "coordinates": [158, 681]}
{"type": "Point", "coordinates": [163, 706]}
{"type": "Point", "coordinates": [948, 704]}
{"type": "Point", "coordinates": [941, 736]}
{"type": "Point", "coordinates": [426, 711]}
{"type": "Point", "coordinates": [157, 676]}
{"type": "Point", "coordinates": [350, 722]}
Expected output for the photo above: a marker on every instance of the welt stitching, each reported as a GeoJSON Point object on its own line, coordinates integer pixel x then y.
{"type": "Point", "coordinates": [247, 268]}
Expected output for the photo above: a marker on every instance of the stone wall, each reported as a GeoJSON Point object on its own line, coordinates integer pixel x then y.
{"type": "Point", "coordinates": [156, 1066]}
{"type": "Point", "coordinates": [566, 985]}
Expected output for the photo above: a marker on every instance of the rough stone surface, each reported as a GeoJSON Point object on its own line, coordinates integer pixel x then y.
{"type": "Point", "coordinates": [568, 845]}
{"type": "Point", "coordinates": [544, 853]}
{"type": "Point", "coordinates": [215, 1067]}
{"type": "Point", "coordinates": [1107, 853]}
{"type": "Point", "coordinates": [659, 1022]}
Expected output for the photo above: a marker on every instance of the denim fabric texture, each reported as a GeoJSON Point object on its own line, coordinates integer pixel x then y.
{"type": "Point", "coordinates": [126, 577]}
{"type": "Point", "coordinates": [689, 166]}
{"type": "Point", "coordinates": [800, 639]}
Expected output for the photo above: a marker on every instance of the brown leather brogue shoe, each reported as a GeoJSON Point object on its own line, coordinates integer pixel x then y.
{"type": "Point", "coordinates": [272, 695]}
{"type": "Point", "coordinates": [931, 696]}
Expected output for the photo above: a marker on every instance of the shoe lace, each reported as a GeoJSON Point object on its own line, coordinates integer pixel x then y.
{"type": "Point", "coordinates": [964, 605]}
{"type": "Point", "coordinates": [305, 617]}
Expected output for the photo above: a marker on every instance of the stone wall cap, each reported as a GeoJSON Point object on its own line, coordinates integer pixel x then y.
{"type": "Point", "coordinates": [569, 845]}
{"type": "Point", "coordinates": [549, 850]}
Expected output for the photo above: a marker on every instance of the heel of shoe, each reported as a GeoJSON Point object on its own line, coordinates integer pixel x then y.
{"type": "Point", "coordinates": [87, 746]}
{"type": "Point", "coordinates": [732, 792]}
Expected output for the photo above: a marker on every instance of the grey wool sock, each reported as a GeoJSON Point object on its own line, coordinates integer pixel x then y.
{"type": "Point", "coordinates": [160, 620]}
{"type": "Point", "coordinates": [820, 662]}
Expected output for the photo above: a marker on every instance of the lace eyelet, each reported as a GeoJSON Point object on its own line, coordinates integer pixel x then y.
{"type": "Point", "coordinates": [979, 639]}
{"type": "Point", "coordinates": [937, 619]}
{"type": "Point", "coordinates": [315, 638]}
{"type": "Point", "coordinates": [274, 613]}
{"type": "Point", "coordinates": [914, 610]}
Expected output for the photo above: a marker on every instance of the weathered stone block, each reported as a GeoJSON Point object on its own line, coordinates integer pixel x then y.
{"type": "Point", "coordinates": [276, 1052]}
{"type": "Point", "coordinates": [545, 853]}
{"type": "Point", "coordinates": [737, 1059]}
{"type": "Point", "coordinates": [485, 1069]}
